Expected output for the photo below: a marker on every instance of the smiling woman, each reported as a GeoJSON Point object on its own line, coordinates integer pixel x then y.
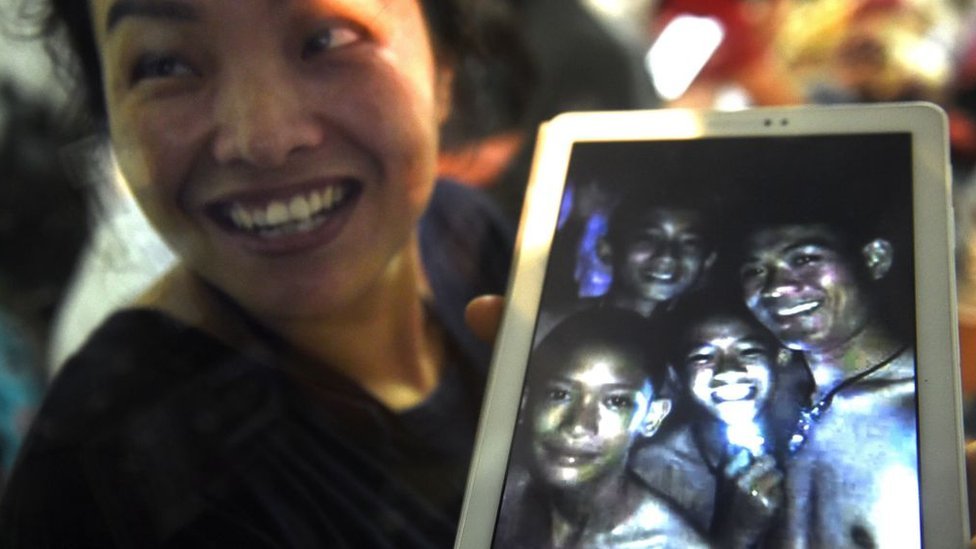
{"type": "Point", "coordinates": [303, 377]}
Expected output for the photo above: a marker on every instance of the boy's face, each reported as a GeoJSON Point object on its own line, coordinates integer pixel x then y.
{"type": "Point", "coordinates": [586, 414]}
{"type": "Point", "coordinates": [664, 253]}
{"type": "Point", "coordinates": [730, 368]}
{"type": "Point", "coordinates": [800, 285]}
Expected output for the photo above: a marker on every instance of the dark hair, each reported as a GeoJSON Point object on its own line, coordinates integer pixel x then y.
{"type": "Point", "coordinates": [491, 86]}
{"type": "Point", "coordinates": [626, 331]}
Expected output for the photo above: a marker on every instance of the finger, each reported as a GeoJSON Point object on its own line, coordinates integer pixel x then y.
{"type": "Point", "coordinates": [483, 315]}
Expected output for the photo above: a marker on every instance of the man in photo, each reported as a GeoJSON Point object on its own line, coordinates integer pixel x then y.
{"type": "Point", "coordinates": [852, 480]}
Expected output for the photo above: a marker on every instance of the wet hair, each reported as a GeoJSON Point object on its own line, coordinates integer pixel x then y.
{"type": "Point", "coordinates": [625, 331]}
{"type": "Point", "coordinates": [492, 83]}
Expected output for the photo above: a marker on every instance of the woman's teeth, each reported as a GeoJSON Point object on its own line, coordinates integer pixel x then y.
{"type": "Point", "coordinates": [299, 213]}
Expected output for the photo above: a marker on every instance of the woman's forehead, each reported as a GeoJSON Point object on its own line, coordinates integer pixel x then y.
{"type": "Point", "coordinates": [107, 14]}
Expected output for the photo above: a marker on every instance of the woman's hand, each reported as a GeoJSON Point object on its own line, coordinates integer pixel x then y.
{"type": "Point", "coordinates": [483, 315]}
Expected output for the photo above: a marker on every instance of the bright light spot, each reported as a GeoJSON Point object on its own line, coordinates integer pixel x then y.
{"type": "Point", "coordinates": [680, 53]}
{"type": "Point", "coordinates": [927, 58]}
{"type": "Point", "coordinates": [598, 374]}
{"type": "Point", "coordinates": [897, 508]}
{"type": "Point", "coordinates": [726, 342]}
{"type": "Point", "coordinates": [732, 98]}
{"type": "Point", "coordinates": [744, 432]}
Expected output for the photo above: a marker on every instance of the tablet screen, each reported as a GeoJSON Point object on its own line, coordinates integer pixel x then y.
{"type": "Point", "coordinates": [724, 351]}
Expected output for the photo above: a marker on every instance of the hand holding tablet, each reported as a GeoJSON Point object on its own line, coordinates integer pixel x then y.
{"type": "Point", "coordinates": [793, 380]}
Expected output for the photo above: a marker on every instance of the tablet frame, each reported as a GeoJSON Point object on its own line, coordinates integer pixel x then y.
{"type": "Point", "coordinates": [940, 433]}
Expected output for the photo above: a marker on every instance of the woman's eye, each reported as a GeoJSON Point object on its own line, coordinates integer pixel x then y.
{"type": "Point", "coordinates": [618, 402]}
{"type": "Point", "coordinates": [330, 38]}
{"type": "Point", "coordinates": [159, 66]}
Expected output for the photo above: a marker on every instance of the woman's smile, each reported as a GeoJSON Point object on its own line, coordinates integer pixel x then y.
{"type": "Point", "coordinates": [290, 219]}
{"type": "Point", "coordinates": [292, 176]}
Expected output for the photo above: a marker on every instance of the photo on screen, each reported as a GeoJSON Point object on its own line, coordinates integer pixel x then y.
{"type": "Point", "coordinates": [725, 350]}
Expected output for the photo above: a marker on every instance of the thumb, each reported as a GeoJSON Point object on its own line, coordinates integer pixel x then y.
{"type": "Point", "coordinates": [483, 315]}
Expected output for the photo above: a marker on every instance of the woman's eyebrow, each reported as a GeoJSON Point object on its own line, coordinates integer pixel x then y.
{"type": "Point", "coordinates": [162, 9]}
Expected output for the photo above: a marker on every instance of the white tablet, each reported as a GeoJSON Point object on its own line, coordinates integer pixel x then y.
{"type": "Point", "coordinates": [728, 329]}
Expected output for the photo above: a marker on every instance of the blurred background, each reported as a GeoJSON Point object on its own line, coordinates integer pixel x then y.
{"type": "Point", "coordinates": [73, 247]}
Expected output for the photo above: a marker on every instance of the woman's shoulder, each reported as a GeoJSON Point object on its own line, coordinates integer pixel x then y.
{"type": "Point", "coordinates": [135, 361]}
{"type": "Point", "coordinates": [128, 426]}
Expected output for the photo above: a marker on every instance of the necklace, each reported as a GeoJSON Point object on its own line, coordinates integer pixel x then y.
{"type": "Point", "coordinates": [810, 416]}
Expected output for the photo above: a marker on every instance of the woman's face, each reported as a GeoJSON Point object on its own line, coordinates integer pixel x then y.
{"type": "Point", "coordinates": [284, 148]}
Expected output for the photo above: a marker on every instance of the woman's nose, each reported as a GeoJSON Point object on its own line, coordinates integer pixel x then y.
{"type": "Point", "coordinates": [262, 116]}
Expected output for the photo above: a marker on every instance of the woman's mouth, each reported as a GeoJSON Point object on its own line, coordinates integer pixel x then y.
{"type": "Point", "coordinates": [299, 212]}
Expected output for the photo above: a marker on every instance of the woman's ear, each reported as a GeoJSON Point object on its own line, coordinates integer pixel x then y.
{"type": "Point", "coordinates": [444, 91]}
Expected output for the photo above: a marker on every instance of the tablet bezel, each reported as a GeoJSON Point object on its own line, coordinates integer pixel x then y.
{"type": "Point", "coordinates": [941, 466]}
